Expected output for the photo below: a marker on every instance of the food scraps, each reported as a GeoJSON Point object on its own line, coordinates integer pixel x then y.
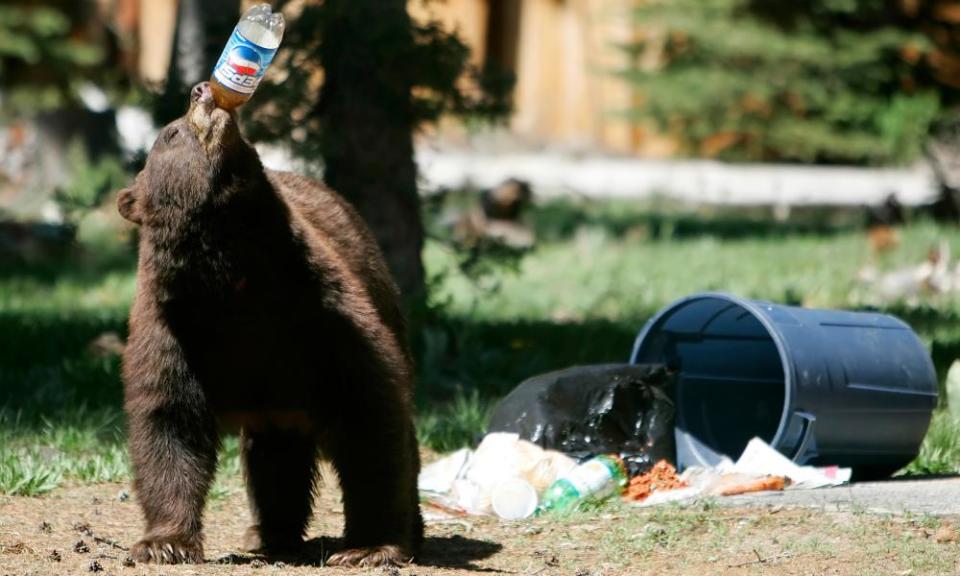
{"type": "Point", "coordinates": [661, 478]}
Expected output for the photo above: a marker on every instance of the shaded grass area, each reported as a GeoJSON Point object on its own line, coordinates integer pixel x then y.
{"type": "Point", "coordinates": [598, 273]}
{"type": "Point", "coordinates": [60, 397]}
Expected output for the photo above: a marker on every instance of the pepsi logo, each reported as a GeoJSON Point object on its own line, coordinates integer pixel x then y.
{"type": "Point", "coordinates": [244, 61]}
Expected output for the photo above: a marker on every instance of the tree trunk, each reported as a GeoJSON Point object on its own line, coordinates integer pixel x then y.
{"type": "Point", "coordinates": [367, 120]}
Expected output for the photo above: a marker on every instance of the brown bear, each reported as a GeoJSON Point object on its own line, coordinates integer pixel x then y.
{"type": "Point", "coordinates": [263, 305]}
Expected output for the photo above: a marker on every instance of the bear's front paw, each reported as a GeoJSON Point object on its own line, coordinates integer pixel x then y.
{"type": "Point", "coordinates": [369, 557]}
{"type": "Point", "coordinates": [169, 550]}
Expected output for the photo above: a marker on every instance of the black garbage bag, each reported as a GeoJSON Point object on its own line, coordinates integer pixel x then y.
{"type": "Point", "coordinates": [624, 409]}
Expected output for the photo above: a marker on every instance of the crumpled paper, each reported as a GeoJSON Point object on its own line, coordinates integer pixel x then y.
{"type": "Point", "coordinates": [464, 481]}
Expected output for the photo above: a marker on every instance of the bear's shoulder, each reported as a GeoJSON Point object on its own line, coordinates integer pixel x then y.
{"type": "Point", "coordinates": [332, 218]}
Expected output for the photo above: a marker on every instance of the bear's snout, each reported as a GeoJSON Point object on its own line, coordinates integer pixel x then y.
{"type": "Point", "coordinates": [210, 123]}
{"type": "Point", "coordinates": [201, 93]}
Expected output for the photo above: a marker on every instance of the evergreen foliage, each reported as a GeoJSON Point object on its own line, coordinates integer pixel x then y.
{"type": "Point", "coordinates": [41, 60]}
{"type": "Point", "coordinates": [828, 81]}
{"type": "Point", "coordinates": [91, 181]}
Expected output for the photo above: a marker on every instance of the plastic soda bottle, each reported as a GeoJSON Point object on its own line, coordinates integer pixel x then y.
{"type": "Point", "coordinates": [246, 56]}
{"type": "Point", "coordinates": [595, 479]}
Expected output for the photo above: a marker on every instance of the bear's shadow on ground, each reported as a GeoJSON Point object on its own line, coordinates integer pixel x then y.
{"type": "Point", "coordinates": [452, 552]}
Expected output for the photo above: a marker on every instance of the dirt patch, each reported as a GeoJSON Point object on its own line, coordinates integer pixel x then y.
{"type": "Point", "coordinates": [87, 529]}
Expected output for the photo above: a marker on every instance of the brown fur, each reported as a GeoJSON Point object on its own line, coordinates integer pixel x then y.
{"type": "Point", "coordinates": [262, 304]}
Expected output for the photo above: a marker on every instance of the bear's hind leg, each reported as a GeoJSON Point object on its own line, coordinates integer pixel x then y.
{"type": "Point", "coordinates": [377, 462]}
{"type": "Point", "coordinates": [280, 470]}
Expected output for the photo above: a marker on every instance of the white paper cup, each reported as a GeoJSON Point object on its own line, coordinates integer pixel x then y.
{"type": "Point", "coordinates": [514, 499]}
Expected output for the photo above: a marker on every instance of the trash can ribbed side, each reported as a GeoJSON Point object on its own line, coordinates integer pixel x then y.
{"type": "Point", "coordinates": [821, 386]}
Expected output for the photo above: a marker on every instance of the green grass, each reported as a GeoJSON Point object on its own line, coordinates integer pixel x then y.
{"type": "Point", "coordinates": [940, 452]}
{"type": "Point", "coordinates": [598, 273]}
{"type": "Point", "coordinates": [70, 444]}
{"type": "Point", "coordinates": [456, 424]}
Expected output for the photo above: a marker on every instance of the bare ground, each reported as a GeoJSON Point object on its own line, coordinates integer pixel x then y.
{"type": "Point", "coordinates": [86, 530]}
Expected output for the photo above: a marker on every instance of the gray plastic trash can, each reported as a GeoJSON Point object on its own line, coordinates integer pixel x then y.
{"type": "Point", "coordinates": [821, 386]}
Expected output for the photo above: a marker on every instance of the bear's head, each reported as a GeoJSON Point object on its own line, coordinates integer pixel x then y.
{"type": "Point", "coordinates": [197, 162]}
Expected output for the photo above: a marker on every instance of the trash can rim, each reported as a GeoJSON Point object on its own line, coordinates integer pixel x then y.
{"type": "Point", "coordinates": [753, 307]}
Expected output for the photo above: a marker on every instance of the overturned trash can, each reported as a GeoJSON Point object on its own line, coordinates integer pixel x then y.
{"type": "Point", "coordinates": [821, 386]}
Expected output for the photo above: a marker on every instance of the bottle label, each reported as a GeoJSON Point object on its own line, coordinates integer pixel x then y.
{"type": "Point", "coordinates": [242, 64]}
{"type": "Point", "coordinates": [592, 479]}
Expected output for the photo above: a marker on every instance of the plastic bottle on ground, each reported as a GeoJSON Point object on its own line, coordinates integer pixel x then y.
{"type": "Point", "coordinates": [246, 56]}
{"type": "Point", "coordinates": [595, 479]}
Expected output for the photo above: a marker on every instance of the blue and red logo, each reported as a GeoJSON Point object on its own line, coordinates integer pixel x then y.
{"type": "Point", "coordinates": [244, 60]}
{"type": "Point", "coordinates": [242, 64]}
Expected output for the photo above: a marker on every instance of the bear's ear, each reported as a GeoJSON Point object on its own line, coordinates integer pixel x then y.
{"type": "Point", "coordinates": [128, 201]}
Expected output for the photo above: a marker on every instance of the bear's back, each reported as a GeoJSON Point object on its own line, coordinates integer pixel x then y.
{"type": "Point", "coordinates": [340, 226]}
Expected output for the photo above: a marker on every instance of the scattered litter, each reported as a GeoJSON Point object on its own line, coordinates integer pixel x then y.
{"type": "Point", "coordinates": [759, 469]}
{"type": "Point", "coordinates": [760, 459]}
{"type": "Point", "coordinates": [439, 508]}
{"type": "Point", "coordinates": [934, 276]}
{"type": "Point", "coordinates": [595, 479]}
{"type": "Point", "coordinates": [667, 496]}
{"type": "Point", "coordinates": [514, 499]}
{"type": "Point", "coordinates": [440, 475]}
{"type": "Point", "coordinates": [661, 478]}
{"type": "Point", "coordinates": [466, 481]}
{"type": "Point", "coordinates": [735, 484]}
{"type": "Point", "coordinates": [514, 479]}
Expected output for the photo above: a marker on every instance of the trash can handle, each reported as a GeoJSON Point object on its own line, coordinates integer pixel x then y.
{"type": "Point", "coordinates": [806, 449]}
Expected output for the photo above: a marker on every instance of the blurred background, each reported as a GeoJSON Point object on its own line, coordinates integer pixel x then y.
{"type": "Point", "coordinates": [543, 176]}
